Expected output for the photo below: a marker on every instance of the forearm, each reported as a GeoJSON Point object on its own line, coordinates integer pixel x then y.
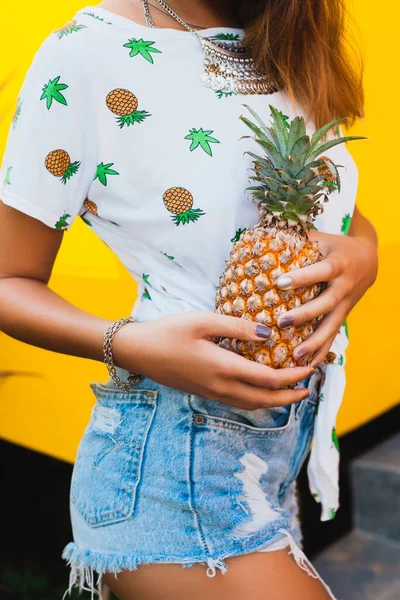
{"type": "Point", "coordinates": [33, 313]}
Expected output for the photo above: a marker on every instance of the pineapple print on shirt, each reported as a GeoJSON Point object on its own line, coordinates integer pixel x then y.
{"type": "Point", "coordinates": [91, 207]}
{"type": "Point", "coordinates": [201, 138]}
{"type": "Point", "coordinates": [68, 28]}
{"type": "Point", "coordinates": [142, 48]}
{"type": "Point", "coordinates": [91, 14]}
{"type": "Point", "coordinates": [124, 104]}
{"type": "Point", "coordinates": [58, 163]}
{"type": "Point", "coordinates": [227, 37]}
{"type": "Point", "coordinates": [52, 91]}
{"type": "Point", "coordinates": [62, 221]}
{"type": "Point", "coordinates": [179, 201]}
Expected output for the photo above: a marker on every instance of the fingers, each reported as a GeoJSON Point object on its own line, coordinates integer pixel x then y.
{"type": "Point", "coordinates": [325, 270]}
{"type": "Point", "coordinates": [243, 395]}
{"type": "Point", "coordinates": [262, 376]}
{"type": "Point", "coordinates": [320, 355]}
{"type": "Point", "coordinates": [210, 324]}
{"type": "Point", "coordinates": [323, 304]}
{"type": "Point", "coordinates": [327, 329]}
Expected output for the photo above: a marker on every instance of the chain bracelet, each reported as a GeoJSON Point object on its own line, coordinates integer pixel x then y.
{"type": "Point", "coordinates": [133, 378]}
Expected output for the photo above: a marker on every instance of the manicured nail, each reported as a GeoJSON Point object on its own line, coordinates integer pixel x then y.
{"type": "Point", "coordinates": [302, 353]}
{"type": "Point", "coordinates": [286, 322]}
{"type": "Point", "coordinates": [263, 331]}
{"type": "Point", "coordinates": [284, 281]}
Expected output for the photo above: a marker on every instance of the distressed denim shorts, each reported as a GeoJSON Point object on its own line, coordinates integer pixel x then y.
{"type": "Point", "coordinates": [164, 476]}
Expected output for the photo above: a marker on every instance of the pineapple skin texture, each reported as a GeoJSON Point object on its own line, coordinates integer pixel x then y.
{"type": "Point", "coordinates": [247, 289]}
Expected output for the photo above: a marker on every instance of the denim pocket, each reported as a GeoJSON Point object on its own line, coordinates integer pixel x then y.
{"type": "Point", "coordinates": [259, 421]}
{"type": "Point", "coordinates": [108, 465]}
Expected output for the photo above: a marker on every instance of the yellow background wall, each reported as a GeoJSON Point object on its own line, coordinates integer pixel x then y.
{"type": "Point", "coordinates": [47, 406]}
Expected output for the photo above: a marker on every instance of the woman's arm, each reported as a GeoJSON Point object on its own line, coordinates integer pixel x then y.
{"type": "Point", "coordinates": [350, 268]}
{"type": "Point", "coordinates": [29, 310]}
{"type": "Point", "coordinates": [176, 350]}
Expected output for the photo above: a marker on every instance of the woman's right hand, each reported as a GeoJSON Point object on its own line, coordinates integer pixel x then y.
{"type": "Point", "coordinates": [178, 351]}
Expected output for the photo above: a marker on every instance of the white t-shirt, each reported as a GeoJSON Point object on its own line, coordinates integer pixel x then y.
{"type": "Point", "coordinates": [114, 125]}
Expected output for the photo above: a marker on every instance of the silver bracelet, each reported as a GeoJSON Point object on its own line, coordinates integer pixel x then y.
{"type": "Point", "coordinates": [133, 378]}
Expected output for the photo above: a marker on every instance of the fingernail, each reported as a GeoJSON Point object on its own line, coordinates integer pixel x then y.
{"type": "Point", "coordinates": [302, 353]}
{"type": "Point", "coordinates": [285, 322]}
{"type": "Point", "coordinates": [262, 330]}
{"type": "Point", "coordinates": [284, 281]}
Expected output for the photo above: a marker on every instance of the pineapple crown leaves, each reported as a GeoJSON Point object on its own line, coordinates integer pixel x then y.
{"type": "Point", "coordinates": [292, 175]}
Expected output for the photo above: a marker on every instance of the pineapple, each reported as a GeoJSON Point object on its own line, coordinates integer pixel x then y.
{"type": "Point", "coordinates": [179, 201]}
{"type": "Point", "coordinates": [68, 28]}
{"type": "Point", "coordinates": [58, 163]}
{"type": "Point", "coordinates": [124, 104]}
{"type": "Point", "coordinates": [91, 207]}
{"type": "Point", "coordinates": [291, 182]}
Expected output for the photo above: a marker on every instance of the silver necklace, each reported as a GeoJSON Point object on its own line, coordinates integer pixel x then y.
{"type": "Point", "coordinates": [228, 67]}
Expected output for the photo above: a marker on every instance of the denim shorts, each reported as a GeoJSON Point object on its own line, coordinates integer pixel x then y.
{"type": "Point", "coordinates": [164, 476]}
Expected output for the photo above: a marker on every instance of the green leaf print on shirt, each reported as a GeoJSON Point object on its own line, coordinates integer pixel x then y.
{"type": "Point", "coordinates": [17, 113]}
{"type": "Point", "coordinates": [7, 176]}
{"type": "Point", "coordinates": [237, 235]}
{"type": "Point", "coordinates": [167, 255]}
{"type": "Point", "coordinates": [179, 201]}
{"type": "Point", "coordinates": [124, 104]}
{"type": "Point", "coordinates": [346, 222]}
{"type": "Point", "coordinates": [90, 14]}
{"type": "Point", "coordinates": [52, 91]}
{"type": "Point", "coordinates": [229, 37]}
{"type": "Point", "coordinates": [67, 28]}
{"type": "Point", "coordinates": [102, 171]}
{"type": "Point", "coordinates": [59, 164]}
{"type": "Point", "coordinates": [143, 48]}
{"type": "Point", "coordinates": [222, 94]}
{"type": "Point", "coordinates": [146, 294]}
{"type": "Point", "coordinates": [62, 221]}
{"type": "Point", "coordinates": [346, 329]}
{"type": "Point", "coordinates": [202, 138]}
{"type": "Point", "coordinates": [335, 439]}
{"type": "Point", "coordinates": [332, 513]}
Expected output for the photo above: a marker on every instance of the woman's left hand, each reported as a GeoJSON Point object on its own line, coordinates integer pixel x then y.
{"type": "Point", "coordinates": [349, 268]}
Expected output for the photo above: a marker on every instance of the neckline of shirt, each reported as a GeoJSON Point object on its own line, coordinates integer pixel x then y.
{"type": "Point", "coordinates": [108, 17]}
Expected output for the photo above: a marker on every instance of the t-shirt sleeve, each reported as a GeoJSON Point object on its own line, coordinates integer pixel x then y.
{"type": "Point", "coordinates": [50, 157]}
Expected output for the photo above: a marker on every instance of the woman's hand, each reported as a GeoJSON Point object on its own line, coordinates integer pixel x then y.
{"type": "Point", "coordinates": [349, 268]}
{"type": "Point", "coordinates": [178, 351]}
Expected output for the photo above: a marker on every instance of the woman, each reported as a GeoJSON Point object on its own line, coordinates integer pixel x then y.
{"type": "Point", "coordinates": [194, 461]}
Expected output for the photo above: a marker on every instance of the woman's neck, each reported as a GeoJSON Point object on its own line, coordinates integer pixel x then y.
{"type": "Point", "coordinates": [200, 13]}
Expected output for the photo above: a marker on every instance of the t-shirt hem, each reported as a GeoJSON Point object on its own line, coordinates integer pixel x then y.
{"type": "Point", "coordinates": [49, 219]}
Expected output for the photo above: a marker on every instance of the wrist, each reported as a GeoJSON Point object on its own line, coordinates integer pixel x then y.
{"type": "Point", "coordinates": [123, 347]}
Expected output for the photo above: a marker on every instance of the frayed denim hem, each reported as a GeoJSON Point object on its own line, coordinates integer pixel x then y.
{"type": "Point", "coordinates": [83, 564]}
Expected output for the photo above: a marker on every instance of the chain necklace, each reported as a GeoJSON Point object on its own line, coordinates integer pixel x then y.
{"type": "Point", "coordinates": [229, 69]}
